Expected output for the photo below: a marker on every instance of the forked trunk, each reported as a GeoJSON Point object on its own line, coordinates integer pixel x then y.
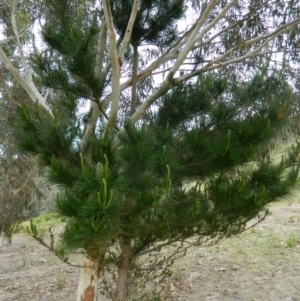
{"type": "Point", "coordinates": [88, 281]}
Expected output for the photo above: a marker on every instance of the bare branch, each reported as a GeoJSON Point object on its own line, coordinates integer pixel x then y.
{"type": "Point", "coordinates": [195, 37]}
{"type": "Point", "coordinates": [28, 86]}
{"type": "Point", "coordinates": [101, 51]}
{"type": "Point", "coordinates": [116, 67]}
{"type": "Point", "coordinates": [188, 39]}
{"type": "Point", "coordinates": [218, 63]}
{"type": "Point", "coordinates": [17, 39]}
{"type": "Point", "coordinates": [130, 24]}
{"type": "Point", "coordinates": [20, 34]}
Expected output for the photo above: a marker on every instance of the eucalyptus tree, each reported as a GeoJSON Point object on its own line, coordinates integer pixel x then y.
{"type": "Point", "coordinates": [208, 121]}
{"type": "Point", "coordinates": [16, 182]}
{"type": "Point", "coordinates": [19, 172]}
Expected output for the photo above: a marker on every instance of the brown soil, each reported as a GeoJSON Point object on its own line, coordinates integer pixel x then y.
{"type": "Point", "coordinates": [261, 264]}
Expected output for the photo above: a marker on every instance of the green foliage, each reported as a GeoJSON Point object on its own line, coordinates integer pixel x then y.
{"type": "Point", "coordinates": [292, 241]}
{"type": "Point", "coordinates": [47, 136]}
{"type": "Point", "coordinates": [139, 190]}
{"type": "Point", "coordinates": [32, 229]}
{"type": "Point", "coordinates": [74, 38]}
{"type": "Point", "coordinates": [154, 21]}
{"type": "Point", "coordinates": [212, 130]}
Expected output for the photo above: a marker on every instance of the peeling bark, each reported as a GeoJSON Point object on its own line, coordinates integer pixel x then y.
{"type": "Point", "coordinates": [88, 281]}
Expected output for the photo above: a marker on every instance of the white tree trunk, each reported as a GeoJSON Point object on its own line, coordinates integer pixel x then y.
{"type": "Point", "coordinates": [88, 281]}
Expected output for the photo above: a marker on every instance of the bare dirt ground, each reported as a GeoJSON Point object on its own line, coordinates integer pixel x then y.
{"type": "Point", "coordinates": [261, 264]}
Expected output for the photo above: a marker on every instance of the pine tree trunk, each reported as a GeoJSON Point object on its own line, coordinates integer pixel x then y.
{"type": "Point", "coordinates": [123, 270]}
{"type": "Point", "coordinates": [88, 281]}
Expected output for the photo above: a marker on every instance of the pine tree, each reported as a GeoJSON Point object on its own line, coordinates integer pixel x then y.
{"type": "Point", "coordinates": [195, 167]}
{"type": "Point", "coordinates": [208, 133]}
{"type": "Point", "coordinates": [155, 24]}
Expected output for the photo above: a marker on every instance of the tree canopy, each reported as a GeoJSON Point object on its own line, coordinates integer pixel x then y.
{"type": "Point", "coordinates": [175, 145]}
